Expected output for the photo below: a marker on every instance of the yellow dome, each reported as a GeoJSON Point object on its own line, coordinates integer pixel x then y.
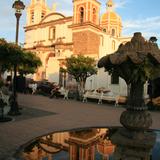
{"type": "Point", "coordinates": [111, 23]}
{"type": "Point", "coordinates": [109, 16]}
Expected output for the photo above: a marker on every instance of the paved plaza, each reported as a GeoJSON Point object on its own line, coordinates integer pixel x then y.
{"type": "Point", "coordinates": [41, 115]}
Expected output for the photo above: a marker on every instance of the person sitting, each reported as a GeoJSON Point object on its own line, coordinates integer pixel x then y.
{"type": "Point", "coordinates": [55, 92]}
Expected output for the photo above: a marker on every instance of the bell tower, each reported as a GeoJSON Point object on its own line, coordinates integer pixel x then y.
{"type": "Point", "coordinates": [36, 11]}
{"type": "Point", "coordinates": [110, 21]}
{"type": "Point", "coordinates": [86, 11]}
{"type": "Point", "coordinates": [85, 27]}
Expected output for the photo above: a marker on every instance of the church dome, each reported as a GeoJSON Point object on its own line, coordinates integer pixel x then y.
{"type": "Point", "coordinates": [111, 18]}
{"type": "Point", "coordinates": [111, 21]}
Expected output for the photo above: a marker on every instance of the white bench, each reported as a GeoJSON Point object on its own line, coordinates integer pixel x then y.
{"type": "Point", "coordinates": [120, 99]}
{"type": "Point", "coordinates": [91, 95]}
{"type": "Point", "coordinates": [109, 96]}
{"type": "Point", "coordinates": [100, 96]}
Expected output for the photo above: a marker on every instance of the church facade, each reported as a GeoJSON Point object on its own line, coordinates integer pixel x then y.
{"type": "Point", "coordinates": [54, 37]}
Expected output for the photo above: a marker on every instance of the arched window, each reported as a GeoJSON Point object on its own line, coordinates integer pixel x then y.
{"type": "Point", "coordinates": [113, 45]}
{"type": "Point", "coordinates": [104, 30]}
{"type": "Point", "coordinates": [94, 15]}
{"type": "Point", "coordinates": [42, 15]}
{"type": "Point", "coordinates": [81, 15]}
{"type": "Point", "coordinates": [113, 32]}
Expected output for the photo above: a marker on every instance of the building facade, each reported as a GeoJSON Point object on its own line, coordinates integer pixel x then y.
{"type": "Point", "coordinates": [54, 37]}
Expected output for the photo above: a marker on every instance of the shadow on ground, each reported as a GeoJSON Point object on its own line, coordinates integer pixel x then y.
{"type": "Point", "coordinates": [30, 113]}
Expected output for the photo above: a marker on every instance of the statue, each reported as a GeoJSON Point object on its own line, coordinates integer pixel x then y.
{"type": "Point", "coordinates": [135, 62]}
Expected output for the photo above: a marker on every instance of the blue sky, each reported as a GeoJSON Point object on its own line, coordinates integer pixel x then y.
{"type": "Point", "coordinates": [137, 15]}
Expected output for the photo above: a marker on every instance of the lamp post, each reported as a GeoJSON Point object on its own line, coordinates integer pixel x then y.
{"type": "Point", "coordinates": [18, 6]}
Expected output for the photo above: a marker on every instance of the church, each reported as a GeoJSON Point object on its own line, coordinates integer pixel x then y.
{"type": "Point", "coordinates": [53, 37]}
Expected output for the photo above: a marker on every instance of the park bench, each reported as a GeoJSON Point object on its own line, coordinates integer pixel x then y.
{"type": "Point", "coordinates": [100, 96]}
{"type": "Point", "coordinates": [108, 96]}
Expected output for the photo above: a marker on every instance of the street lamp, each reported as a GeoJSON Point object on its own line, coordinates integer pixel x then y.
{"type": "Point", "coordinates": [18, 6]}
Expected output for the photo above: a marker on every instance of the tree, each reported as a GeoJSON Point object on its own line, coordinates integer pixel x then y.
{"type": "Point", "coordinates": [81, 67]}
{"type": "Point", "coordinates": [13, 57]}
{"type": "Point", "coordinates": [29, 64]}
{"type": "Point", "coordinates": [4, 54]}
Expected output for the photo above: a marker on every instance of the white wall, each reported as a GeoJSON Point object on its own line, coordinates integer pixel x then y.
{"type": "Point", "coordinates": [52, 70]}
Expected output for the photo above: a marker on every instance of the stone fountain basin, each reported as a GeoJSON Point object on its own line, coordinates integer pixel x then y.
{"type": "Point", "coordinates": [79, 143]}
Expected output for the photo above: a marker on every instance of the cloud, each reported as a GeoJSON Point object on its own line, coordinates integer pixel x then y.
{"type": "Point", "coordinates": [149, 26]}
{"type": "Point", "coordinates": [151, 22]}
{"type": "Point", "coordinates": [121, 3]}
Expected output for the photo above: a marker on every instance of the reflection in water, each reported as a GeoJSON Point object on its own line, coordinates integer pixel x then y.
{"type": "Point", "coordinates": [86, 144]}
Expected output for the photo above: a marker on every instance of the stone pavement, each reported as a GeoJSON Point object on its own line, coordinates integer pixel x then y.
{"type": "Point", "coordinates": [55, 115]}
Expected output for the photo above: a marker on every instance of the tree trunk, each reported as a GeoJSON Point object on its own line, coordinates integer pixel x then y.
{"type": "Point", "coordinates": [14, 110]}
{"type": "Point", "coordinates": [81, 85]}
{"type": "Point", "coordinates": [136, 98]}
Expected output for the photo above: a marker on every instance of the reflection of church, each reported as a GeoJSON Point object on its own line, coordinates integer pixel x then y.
{"type": "Point", "coordinates": [53, 37]}
{"type": "Point", "coordinates": [89, 144]}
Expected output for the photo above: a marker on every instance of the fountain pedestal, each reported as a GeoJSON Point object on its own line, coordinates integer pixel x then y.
{"type": "Point", "coordinates": [133, 145]}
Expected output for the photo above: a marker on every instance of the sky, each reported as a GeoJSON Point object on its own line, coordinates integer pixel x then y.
{"type": "Point", "coordinates": [137, 16]}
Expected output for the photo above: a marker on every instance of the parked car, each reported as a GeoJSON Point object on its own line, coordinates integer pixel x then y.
{"type": "Point", "coordinates": [45, 87]}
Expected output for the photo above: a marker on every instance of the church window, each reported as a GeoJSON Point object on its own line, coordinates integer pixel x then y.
{"type": "Point", "coordinates": [32, 17]}
{"type": "Point", "coordinates": [104, 29]}
{"type": "Point", "coordinates": [52, 33]}
{"type": "Point", "coordinates": [94, 15]}
{"type": "Point", "coordinates": [43, 14]}
{"type": "Point", "coordinates": [113, 45]}
{"type": "Point", "coordinates": [81, 15]}
{"type": "Point", "coordinates": [113, 32]}
{"type": "Point", "coordinates": [114, 79]}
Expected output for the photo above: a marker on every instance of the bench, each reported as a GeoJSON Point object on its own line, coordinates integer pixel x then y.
{"type": "Point", "coordinates": [100, 96]}
{"type": "Point", "coordinates": [91, 95]}
{"type": "Point", "coordinates": [109, 96]}
{"type": "Point", "coordinates": [120, 100]}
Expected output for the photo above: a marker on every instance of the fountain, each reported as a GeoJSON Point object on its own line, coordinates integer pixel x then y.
{"type": "Point", "coordinates": [135, 62]}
